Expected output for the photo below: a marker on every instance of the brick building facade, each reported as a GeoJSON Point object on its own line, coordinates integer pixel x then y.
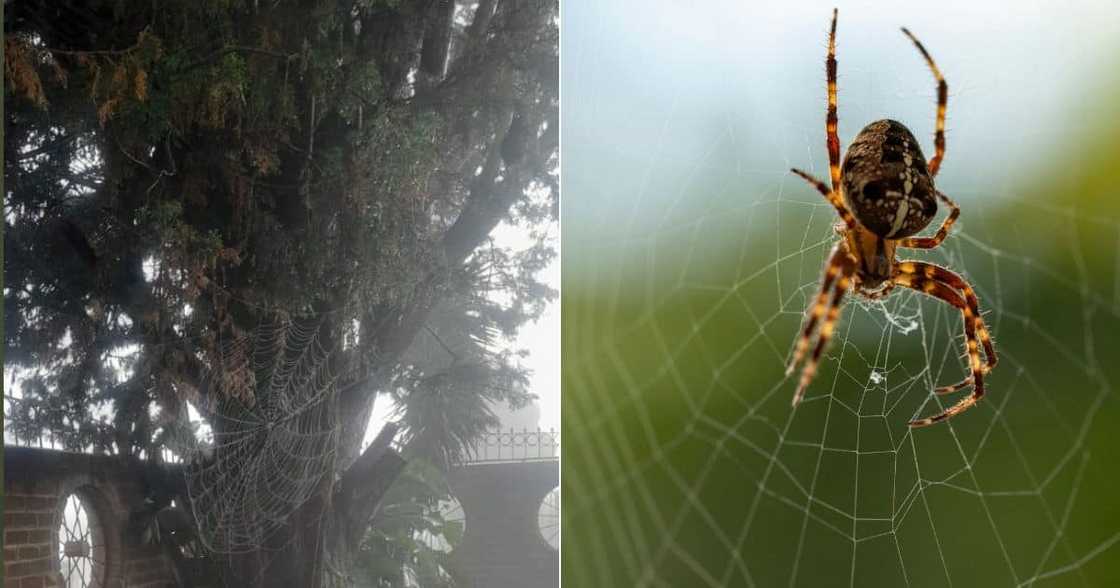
{"type": "Point", "coordinates": [40, 483]}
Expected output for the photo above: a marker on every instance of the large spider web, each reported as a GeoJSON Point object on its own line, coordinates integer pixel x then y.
{"type": "Point", "coordinates": [690, 257]}
{"type": "Point", "coordinates": [275, 436]}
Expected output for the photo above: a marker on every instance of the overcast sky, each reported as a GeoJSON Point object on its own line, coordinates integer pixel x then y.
{"type": "Point", "coordinates": [541, 339]}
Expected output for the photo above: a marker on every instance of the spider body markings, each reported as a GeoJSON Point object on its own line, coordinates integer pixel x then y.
{"type": "Point", "coordinates": [886, 181]}
{"type": "Point", "coordinates": [884, 194]}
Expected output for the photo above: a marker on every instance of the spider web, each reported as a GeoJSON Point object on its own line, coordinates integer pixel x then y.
{"type": "Point", "coordinates": [689, 263]}
{"type": "Point", "coordinates": [275, 434]}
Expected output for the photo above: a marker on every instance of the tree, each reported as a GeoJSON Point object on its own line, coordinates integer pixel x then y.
{"type": "Point", "coordinates": [185, 177]}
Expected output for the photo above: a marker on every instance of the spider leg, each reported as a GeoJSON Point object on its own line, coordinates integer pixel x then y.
{"type": "Point", "coordinates": [843, 282]}
{"type": "Point", "coordinates": [954, 280]}
{"type": "Point", "coordinates": [924, 278]}
{"type": "Point", "coordinates": [942, 104]}
{"type": "Point", "coordinates": [833, 269]}
{"type": "Point", "coordinates": [941, 274]}
{"type": "Point", "coordinates": [832, 196]}
{"type": "Point", "coordinates": [961, 385]}
{"type": "Point", "coordinates": [934, 241]}
{"type": "Point", "coordinates": [831, 121]}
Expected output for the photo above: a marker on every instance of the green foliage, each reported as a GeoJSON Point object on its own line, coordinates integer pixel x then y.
{"type": "Point", "coordinates": [179, 173]}
{"type": "Point", "coordinates": [359, 102]}
{"type": "Point", "coordinates": [457, 371]}
{"type": "Point", "coordinates": [399, 549]}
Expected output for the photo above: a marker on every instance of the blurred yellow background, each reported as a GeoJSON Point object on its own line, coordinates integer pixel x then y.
{"type": "Point", "coordinates": [690, 254]}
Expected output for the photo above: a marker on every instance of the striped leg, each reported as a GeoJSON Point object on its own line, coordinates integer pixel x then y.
{"type": "Point", "coordinates": [832, 196]}
{"type": "Point", "coordinates": [843, 282]}
{"type": "Point", "coordinates": [952, 279]}
{"type": "Point", "coordinates": [925, 278]}
{"type": "Point", "coordinates": [943, 275]}
{"type": "Point", "coordinates": [834, 268]}
{"type": "Point", "coordinates": [942, 104]}
{"type": "Point", "coordinates": [831, 121]}
{"type": "Point", "coordinates": [934, 241]}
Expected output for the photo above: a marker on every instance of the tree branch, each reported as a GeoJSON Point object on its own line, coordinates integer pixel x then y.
{"type": "Point", "coordinates": [362, 487]}
{"type": "Point", "coordinates": [235, 49]}
{"type": "Point", "coordinates": [437, 39]}
{"type": "Point", "coordinates": [356, 482]}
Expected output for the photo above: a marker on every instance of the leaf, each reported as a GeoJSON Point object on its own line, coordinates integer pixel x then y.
{"type": "Point", "coordinates": [140, 85]}
{"type": "Point", "coordinates": [20, 71]}
{"type": "Point", "coordinates": [105, 111]}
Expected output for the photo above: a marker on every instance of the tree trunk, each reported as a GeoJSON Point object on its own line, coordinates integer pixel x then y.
{"type": "Point", "coordinates": [223, 146]}
{"type": "Point", "coordinates": [317, 546]}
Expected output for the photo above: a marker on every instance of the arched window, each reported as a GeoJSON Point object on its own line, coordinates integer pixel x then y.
{"type": "Point", "coordinates": [548, 518]}
{"type": "Point", "coordinates": [81, 545]}
{"type": "Point", "coordinates": [451, 529]}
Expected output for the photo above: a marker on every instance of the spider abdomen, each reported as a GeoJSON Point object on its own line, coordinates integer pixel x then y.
{"type": "Point", "coordinates": [886, 182]}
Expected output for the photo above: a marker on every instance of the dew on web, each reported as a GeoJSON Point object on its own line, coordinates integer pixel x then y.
{"type": "Point", "coordinates": [269, 452]}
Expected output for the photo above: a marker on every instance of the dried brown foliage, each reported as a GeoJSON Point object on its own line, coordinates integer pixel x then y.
{"type": "Point", "coordinates": [20, 71]}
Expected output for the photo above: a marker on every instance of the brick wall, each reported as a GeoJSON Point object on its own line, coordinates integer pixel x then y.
{"type": "Point", "coordinates": [30, 520]}
{"type": "Point", "coordinates": [37, 483]}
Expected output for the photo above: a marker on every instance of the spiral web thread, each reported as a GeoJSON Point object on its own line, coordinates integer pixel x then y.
{"type": "Point", "coordinates": [275, 435]}
{"type": "Point", "coordinates": [840, 486]}
{"type": "Point", "coordinates": [693, 256]}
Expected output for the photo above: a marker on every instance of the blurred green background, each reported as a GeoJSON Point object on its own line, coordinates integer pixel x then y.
{"type": "Point", "coordinates": [690, 254]}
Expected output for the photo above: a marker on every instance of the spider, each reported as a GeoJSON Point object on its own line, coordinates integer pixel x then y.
{"type": "Point", "coordinates": [884, 194]}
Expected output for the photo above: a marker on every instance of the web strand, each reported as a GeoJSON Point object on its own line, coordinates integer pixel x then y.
{"type": "Point", "coordinates": [866, 392]}
{"type": "Point", "coordinates": [273, 410]}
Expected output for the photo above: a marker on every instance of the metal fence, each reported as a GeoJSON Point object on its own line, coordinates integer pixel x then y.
{"type": "Point", "coordinates": [498, 446]}
{"type": "Point", "coordinates": [512, 445]}
{"type": "Point", "coordinates": [50, 441]}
